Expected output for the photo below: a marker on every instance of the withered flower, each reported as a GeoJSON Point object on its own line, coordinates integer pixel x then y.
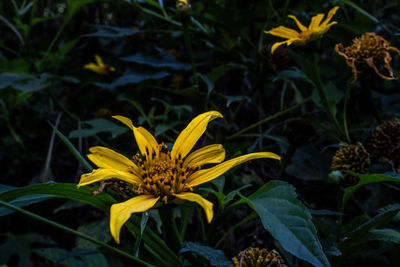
{"type": "Point", "coordinates": [252, 257]}
{"type": "Point", "coordinates": [350, 157]}
{"type": "Point", "coordinates": [368, 50]}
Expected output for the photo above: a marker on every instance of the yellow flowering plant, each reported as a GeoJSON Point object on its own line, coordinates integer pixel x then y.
{"type": "Point", "coordinates": [315, 30]}
{"type": "Point", "coordinates": [99, 67]}
{"type": "Point", "coordinates": [159, 175]}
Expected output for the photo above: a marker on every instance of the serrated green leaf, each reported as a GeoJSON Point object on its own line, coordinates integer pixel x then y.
{"type": "Point", "coordinates": [98, 229]}
{"type": "Point", "coordinates": [367, 179]}
{"type": "Point", "coordinates": [385, 234]}
{"type": "Point", "coordinates": [106, 31]}
{"type": "Point", "coordinates": [288, 221]}
{"type": "Point", "coordinates": [215, 256]}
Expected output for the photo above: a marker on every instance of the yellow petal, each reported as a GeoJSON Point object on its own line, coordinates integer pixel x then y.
{"type": "Point", "coordinates": [204, 203]}
{"type": "Point", "coordinates": [205, 155]}
{"type": "Point", "coordinates": [315, 21]}
{"type": "Point", "coordinates": [107, 158]}
{"type": "Point", "coordinates": [276, 45]}
{"type": "Point", "coordinates": [144, 139]}
{"type": "Point", "coordinates": [99, 61]}
{"type": "Point", "coordinates": [189, 136]}
{"type": "Point", "coordinates": [206, 175]}
{"type": "Point", "coordinates": [298, 23]}
{"type": "Point", "coordinates": [93, 67]}
{"type": "Point", "coordinates": [330, 15]}
{"type": "Point", "coordinates": [121, 212]}
{"type": "Point", "coordinates": [283, 32]}
{"type": "Point", "coordinates": [102, 174]}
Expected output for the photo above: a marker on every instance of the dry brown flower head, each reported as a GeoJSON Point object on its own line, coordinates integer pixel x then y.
{"type": "Point", "coordinates": [368, 50]}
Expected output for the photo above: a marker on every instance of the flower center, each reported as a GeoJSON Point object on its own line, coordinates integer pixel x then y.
{"type": "Point", "coordinates": [162, 175]}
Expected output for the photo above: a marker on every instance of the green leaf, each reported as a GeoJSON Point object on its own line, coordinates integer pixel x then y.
{"type": "Point", "coordinates": [288, 221]}
{"type": "Point", "coordinates": [101, 201]}
{"type": "Point", "coordinates": [294, 73]}
{"type": "Point", "coordinates": [333, 97]}
{"type": "Point", "coordinates": [215, 256]}
{"type": "Point", "coordinates": [367, 179]}
{"type": "Point", "coordinates": [99, 126]}
{"type": "Point", "coordinates": [385, 234]}
{"type": "Point", "coordinates": [384, 216]}
{"type": "Point", "coordinates": [20, 245]}
{"type": "Point", "coordinates": [98, 229]}
{"type": "Point", "coordinates": [162, 60]}
{"type": "Point", "coordinates": [106, 31]}
{"type": "Point", "coordinates": [21, 202]}
{"type": "Point", "coordinates": [131, 77]}
{"type": "Point", "coordinates": [74, 6]}
{"type": "Point", "coordinates": [75, 258]}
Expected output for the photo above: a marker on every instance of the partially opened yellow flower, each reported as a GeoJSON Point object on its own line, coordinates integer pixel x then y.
{"type": "Point", "coordinates": [99, 67]}
{"type": "Point", "coordinates": [158, 174]}
{"type": "Point", "coordinates": [316, 28]}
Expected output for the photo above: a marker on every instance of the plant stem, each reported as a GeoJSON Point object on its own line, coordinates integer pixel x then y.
{"type": "Point", "coordinates": [188, 45]}
{"type": "Point", "coordinates": [288, 156]}
{"type": "Point", "coordinates": [171, 229]}
{"type": "Point", "coordinates": [248, 218]}
{"type": "Point", "coordinates": [74, 232]}
{"type": "Point", "coordinates": [276, 115]}
{"type": "Point", "coordinates": [346, 98]}
{"type": "Point", "coordinates": [314, 73]}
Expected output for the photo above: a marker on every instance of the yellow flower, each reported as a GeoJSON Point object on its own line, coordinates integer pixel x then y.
{"type": "Point", "coordinates": [99, 67]}
{"type": "Point", "coordinates": [314, 30]}
{"type": "Point", "coordinates": [366, 51]}
{"type": "Point", "coordinates": [162, 175]}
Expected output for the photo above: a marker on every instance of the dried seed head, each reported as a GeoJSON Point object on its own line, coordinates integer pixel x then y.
{"type": "Point", "coordinates": [350, 157]}
{"type": "Point", "coordinates": [385, 142]}
{"type": "Point", "coordinates": [366, 51]}
{"type": "Point", "coordinates": [252, 257]}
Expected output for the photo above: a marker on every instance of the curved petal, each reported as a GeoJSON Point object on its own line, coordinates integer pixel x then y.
{"type": "Point", "coordinates": [278, 44]}
{"type": "Point", "coordinates": [315, 21]}
{"type": "Point", "coordinates": [102, 174]}
{"type": "Point", "coordinates": [107, 158]}
{"type": "Point", "coordinates": [121, 212]}
{"type": "Point", "coordinates": [189, 136]}
{"type": "Point", "coordinates": [330, 15]}
{"type": "Point", "coordinates": [144, 139]}
{"type": "Point", "coordinates": [203, 176]}
{"type": "Point", "coordinates": [204, 203]}
{"type": "Point", "coordinates": [99, 61]}
{"type": "Point", "coordinates": [93, 67]}
{"type": "Point", "coordinates": [205, 155]}
{"type": "Point", "coordinates": [298, 23]}
{"type": "Point", "coordinates": [283, 32]}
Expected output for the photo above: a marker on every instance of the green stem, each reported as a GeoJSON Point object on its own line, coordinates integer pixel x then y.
{"type": "Point", "coordinates": [276, 115]}
{"type": "Point", "coordinates": [155, 14]}
{"type": "Point", "coordinates": [171, 229]}
{"type": "Point", "coordinates": [248, 218]}
{"type": "Point", "coordinates": [288, 156]}
{"type": "Point", "coordinates": [186, 211]}
{"type": "Point", "coordinates": [74, 232]}
{"type": "Point", "coordinates": [316, 77]}
{"type": "Point", "coordinates": [346, 98]}
{"type": "Point", "coordinates": [188, 44]}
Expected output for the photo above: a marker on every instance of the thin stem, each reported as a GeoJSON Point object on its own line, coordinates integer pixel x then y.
{"type": "Point", "coordinates": [168, 221]}
{"type": "Point", "coordinates": [346, 98]}
{"type": "Point", "coordinates": [315, 74]}
{"type": "Point", "coordinates": [188, 45]}
{"type": "Point", "coordinates": [276, 115]}
{"type": "Point", "coordinates": [185, 214]}
{"type": "Point", "coordinates": [288, 156]}
{"type": "Point", "coordinates": [152, 13]}
{"type": "Point", "coordinates": [248, 218]}
{"type": "Point", "coordinates": [74, 232]}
